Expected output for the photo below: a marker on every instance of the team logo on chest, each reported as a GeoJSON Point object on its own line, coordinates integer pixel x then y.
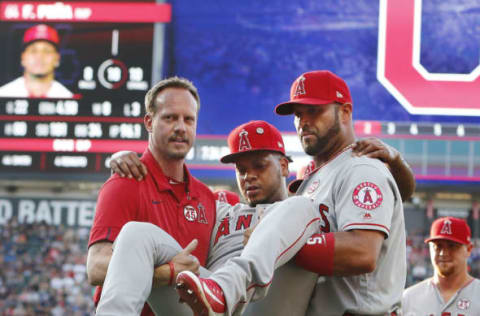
{"type": "Point", "coordinates": [190, 213]}
{"type": "Point", "coordinates": [367, 195]}
{"type": "Point", "coordinates": [463, 304]}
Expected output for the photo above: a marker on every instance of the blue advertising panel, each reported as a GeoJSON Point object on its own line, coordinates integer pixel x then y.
{"type": "Point", "coordinates": [404, 60]}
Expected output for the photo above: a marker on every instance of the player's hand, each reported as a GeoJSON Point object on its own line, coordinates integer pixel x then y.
{"type": "Point", "coordinates": [375, 148]}
{"type": "Point", "coordinates": [248, 232]}
{"type": "Point", "coordinates": [185, 260]}
{"type": "Point", "coordinates": [127, 164]}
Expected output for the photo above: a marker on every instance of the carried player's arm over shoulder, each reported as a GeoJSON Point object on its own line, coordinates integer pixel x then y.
{"type": "Point", "coordinates": [402, 173]}
{"type": "Point", "coordinates": [127, 164]}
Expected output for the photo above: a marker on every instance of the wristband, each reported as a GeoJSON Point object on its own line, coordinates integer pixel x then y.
{"type": "Point", "coordinates": [172, 272]}
{"type": "Point", "coordinates": [317, 254]}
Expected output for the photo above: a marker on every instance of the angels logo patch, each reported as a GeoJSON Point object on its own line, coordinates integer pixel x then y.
{"type": "Point", "coordinates": [463, 304]}
{"type": "Point", "coordinates": [190, 213]}
{"type": "Point", "coordinates": [367, 195]}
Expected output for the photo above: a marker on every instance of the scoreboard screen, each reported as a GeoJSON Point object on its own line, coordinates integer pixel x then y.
{"type": "Point", "coordinates": [106, 60]}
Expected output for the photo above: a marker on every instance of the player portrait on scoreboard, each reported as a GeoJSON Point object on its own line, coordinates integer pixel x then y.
{"type": "Point", "coordinates": [39, 58]}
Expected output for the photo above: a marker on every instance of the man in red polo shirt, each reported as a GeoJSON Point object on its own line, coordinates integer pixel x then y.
{"type": "Point", "coordinates": [169, 198]}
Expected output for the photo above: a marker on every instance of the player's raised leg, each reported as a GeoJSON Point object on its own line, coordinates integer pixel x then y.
{"type": "Point", "coordinates": [138, 248]}
{"type": "Point", "coordinates": [277, 238]}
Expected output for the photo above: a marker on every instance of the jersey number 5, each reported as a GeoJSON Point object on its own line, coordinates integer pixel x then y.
{"type": "Point", "coordinates": [325, 228]}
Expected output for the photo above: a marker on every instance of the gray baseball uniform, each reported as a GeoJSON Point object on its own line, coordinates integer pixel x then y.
{"type": "Point", "coordinates": [424, 299]}
{"type": "Point", "coordinates": [284, 229]}
{"type": "Point", "coordinates": [289, 280]}
{"type": "Point", "coordinates": [359, 193]}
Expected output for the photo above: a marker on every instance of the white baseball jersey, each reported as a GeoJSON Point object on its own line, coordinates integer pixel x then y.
{"type": "Point", "coordinates": [18, 89]}
{"type": "Point", "coordinates": [424, 299]}
{"type": "Point", "coordinates": [359, 193]}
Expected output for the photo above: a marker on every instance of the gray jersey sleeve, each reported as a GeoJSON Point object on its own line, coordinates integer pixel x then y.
{"type": "Point", "coordinates": [364, 197]}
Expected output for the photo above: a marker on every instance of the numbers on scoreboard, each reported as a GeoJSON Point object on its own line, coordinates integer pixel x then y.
{"type": "Point", "coordinates": [114, 74]}
{"type": "Point", "coordinates": [135, 73]}
{"type": "Point", "coordinates": [52, 129]}
{"type": "Point", "coordinates": [125, 130]}
{"type": "Point", "coordinates": [132, 109]}
{"type": "Point", "coordinates": [17, 107]}
{"type": "Point", "coordinates": [90, 130]}
{"type": "Point", "coordinates": [68, 107]}
{"type": "Point", "coordinates": [18, 129]}
{"type": "Point", "coordinates": [102, 108]}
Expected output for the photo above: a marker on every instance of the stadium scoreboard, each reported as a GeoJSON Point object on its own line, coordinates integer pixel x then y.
{"type": "Point", "coordinates": [107, 57]}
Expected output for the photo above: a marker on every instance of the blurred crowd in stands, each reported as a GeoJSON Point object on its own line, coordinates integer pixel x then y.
{"type": "Point", "coordinates": [43, 269]}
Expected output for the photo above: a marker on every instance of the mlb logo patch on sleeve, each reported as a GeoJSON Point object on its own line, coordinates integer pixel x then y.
{"type": "Point", "coordinates": [367, 195]}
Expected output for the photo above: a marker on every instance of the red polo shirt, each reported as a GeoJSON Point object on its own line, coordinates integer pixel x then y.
{"type": "Point", "coordinates": [184, 217]}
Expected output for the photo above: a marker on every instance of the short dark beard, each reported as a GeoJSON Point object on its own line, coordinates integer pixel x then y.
{"type": "Point", "coordinates": [322, 142]}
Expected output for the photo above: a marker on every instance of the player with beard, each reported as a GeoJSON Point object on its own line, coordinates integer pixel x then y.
{"type": "Point", "coordinates": [361, 250]}
{"type": "Point", "coordinates": [39, 59]}
{"type": "Point", "coordinates": [452, 290]}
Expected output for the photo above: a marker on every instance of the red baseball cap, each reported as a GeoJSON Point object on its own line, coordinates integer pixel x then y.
{"type": "Point", "coordinates": [317, 87]}
{"type": "Point", "coordinates": [41, 32]}
{"type": "Point", "coordinates": [302, 173]}
{"type": "Point", "coordinates": [450, 228]}
{"type": "Point", "coordinates": [254, 136]}
{"type": "Point", "coordinates": [226, 197]}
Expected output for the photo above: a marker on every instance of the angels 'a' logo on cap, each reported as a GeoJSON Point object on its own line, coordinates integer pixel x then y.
{"type": "Point", "coordinates": [446, 228]}
{"type": "Point", "coordinates": [300, 87]}
{"type": "Point", "coordinates": [367, 195]}
{"type": "Point", "coordinates": [244, 143]}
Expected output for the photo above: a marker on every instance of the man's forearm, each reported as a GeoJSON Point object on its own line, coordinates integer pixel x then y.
{"type": "Point", "coordinates": [404, 177]}
{"type": "Point", "coordinates": [162, 275]}
{"type": "Point", "coordinates": [97, 270]}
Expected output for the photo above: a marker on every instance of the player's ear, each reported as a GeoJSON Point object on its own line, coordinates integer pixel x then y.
{"type": "Point", "coordinates": [147, 121]}
{"type": "Point", "coordinates": [57, 60]}
{"type": "Point", "coordinates": [284, 165]}
{"type": "Point", "coordinates": [345, 113]}
{"type": "Point", "coordinates": [21, 59]}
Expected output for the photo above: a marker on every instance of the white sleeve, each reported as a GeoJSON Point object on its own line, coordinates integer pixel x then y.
{"type": "Point", "coordinates": [365, 199]}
